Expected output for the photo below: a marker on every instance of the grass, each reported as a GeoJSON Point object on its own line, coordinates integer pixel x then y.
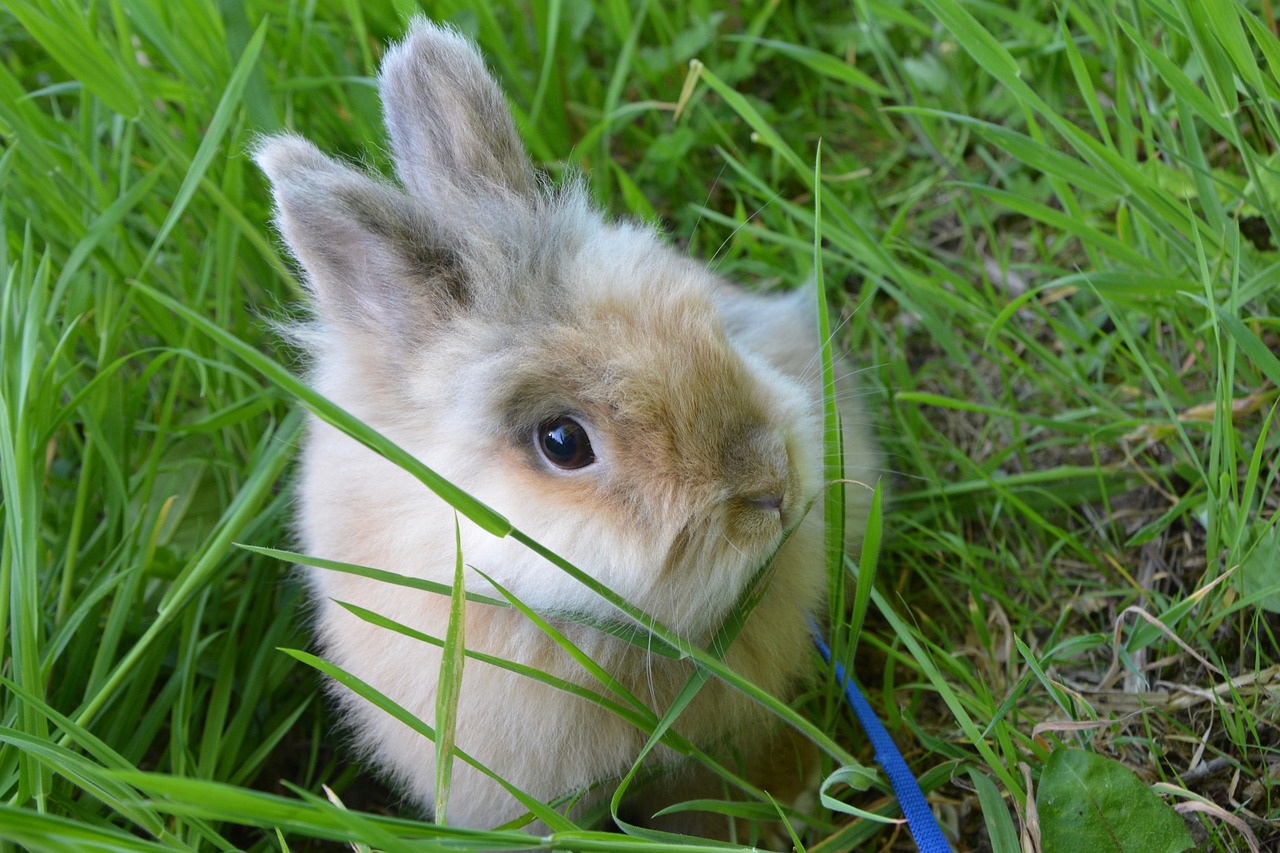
{"type": "Point", "coordinates": [1052, 235]}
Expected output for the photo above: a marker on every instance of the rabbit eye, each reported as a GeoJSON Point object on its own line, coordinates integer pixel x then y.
{"type": "Point", "coordinates": [565, 444]}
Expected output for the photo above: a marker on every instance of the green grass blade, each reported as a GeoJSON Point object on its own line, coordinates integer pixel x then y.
{"type": "Point", "coordinates": [995, 814]}
{"type": "Point", "coordinates": [69, 40]}
{"type": "Point", "coordinates": [868, 560]}
{"type": "Point", "coordinates": [740, 105]}
{"type": "Point", "coordinates": [47, 833]}
{"type": "Point", "coordinates": [449, 683]}
{"type": "Point", "coordinates": [211, 144]}
{"type": "Point", "coordinates": [1252, 346]}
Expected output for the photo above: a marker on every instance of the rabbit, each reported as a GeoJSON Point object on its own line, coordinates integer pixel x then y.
{"type": "Point", "coordinates": [655, 425]}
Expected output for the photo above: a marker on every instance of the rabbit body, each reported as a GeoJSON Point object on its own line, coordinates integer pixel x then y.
{"type": "Point", "coordinates": [485, 324]}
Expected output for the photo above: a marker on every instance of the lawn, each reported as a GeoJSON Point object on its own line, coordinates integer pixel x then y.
{"type": "Point", "coordinates": [1050, 237]}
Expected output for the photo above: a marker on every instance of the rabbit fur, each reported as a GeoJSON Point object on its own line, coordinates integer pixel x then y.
{"type": "Point", "coordinates": [458, 311]}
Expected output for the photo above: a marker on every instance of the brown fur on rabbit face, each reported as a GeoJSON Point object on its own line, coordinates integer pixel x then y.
{"type": "Point", "coordinates": [655, 426]}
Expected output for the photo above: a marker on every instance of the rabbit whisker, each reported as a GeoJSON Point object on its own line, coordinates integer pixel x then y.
{"type": "Point", "coordinates": [711, 264]}
{"type": "Point", "coordinates": [707, 201]}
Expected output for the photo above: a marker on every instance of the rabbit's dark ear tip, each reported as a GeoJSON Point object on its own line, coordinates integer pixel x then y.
{"type": "Point", "coordinates": [286, 154]}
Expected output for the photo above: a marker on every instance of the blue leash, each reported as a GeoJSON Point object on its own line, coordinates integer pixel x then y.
{"type": "Point", "coordinates": [920, 820]}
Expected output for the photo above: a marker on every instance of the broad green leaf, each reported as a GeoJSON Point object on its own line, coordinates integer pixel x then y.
{"type": "Point", "coordinates": [1089, 802]}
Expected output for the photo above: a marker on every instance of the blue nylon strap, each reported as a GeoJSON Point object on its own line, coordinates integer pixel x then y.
{"type": "Point", "coordinates": [920, 820]}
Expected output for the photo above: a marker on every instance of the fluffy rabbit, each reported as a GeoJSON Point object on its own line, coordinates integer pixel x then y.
{"type": "Point", "coordinates": [654, 425]}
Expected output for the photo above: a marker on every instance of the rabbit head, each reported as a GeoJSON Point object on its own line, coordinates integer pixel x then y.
{"type": "Point", "coordinates": [573, 373]}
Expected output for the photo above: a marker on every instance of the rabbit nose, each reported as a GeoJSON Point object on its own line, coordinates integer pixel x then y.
{"type": "Point", "coordinates": [758, 473]}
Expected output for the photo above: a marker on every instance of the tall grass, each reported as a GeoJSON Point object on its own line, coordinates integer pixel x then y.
{"type": "Point", "coordinates": [1052, 236]}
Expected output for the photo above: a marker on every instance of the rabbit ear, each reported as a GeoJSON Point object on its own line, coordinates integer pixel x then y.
{"type": "Point", "coordinates": [374, 260]}
{"type": "Point", "coordinates": [451, 129]}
